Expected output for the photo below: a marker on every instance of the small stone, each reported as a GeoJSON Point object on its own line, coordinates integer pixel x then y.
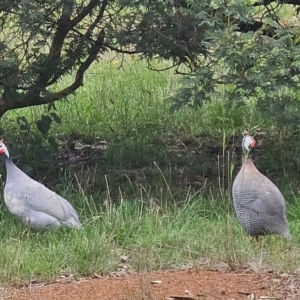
{"type": "Point", "coordinates": [155, 282]}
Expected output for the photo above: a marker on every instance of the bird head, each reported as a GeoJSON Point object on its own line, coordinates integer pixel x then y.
{"type": "Point", "coordinates": [3, 149]}
{"type": "Point", "coordinates": [248, 142]}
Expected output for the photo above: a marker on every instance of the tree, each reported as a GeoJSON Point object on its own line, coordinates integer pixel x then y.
{"type": "Point", "coordinates": [41, 41]}
{"type": "Point", "coordinates": [247, 52]}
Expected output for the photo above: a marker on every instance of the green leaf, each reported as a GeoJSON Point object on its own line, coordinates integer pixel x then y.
{"type": "Point", "coordinates": [44, 124]}
{"type": "Point", "coordinates": [23, 123]}
{"type": "Point", "coordinates": [53, 143]}
{"type": "Point", "coordinates": [55, 117]}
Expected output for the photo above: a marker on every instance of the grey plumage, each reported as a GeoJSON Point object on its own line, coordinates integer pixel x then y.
{"type": "Point", "coordinates": [259, 205]}
{"type": "Point", "coordinates": [33, 203]}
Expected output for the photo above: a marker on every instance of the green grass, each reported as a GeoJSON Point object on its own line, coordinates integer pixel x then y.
{"type": "Point", "coordinates": [130, 103]}
{"type": "Point", "coordinates": [152, 237]}
{"type": "Point", "coordinates": [161, 191]}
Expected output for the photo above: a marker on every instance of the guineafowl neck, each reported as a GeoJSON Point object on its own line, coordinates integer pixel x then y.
{"type": "Point", "coordinates": [4, 158]}
{"type": "Point", "coordinates": [245, 157]}
{"type": "Point", "coordinates": [10, 166]}
{"type": "Point", "coordinates": [8, 161]}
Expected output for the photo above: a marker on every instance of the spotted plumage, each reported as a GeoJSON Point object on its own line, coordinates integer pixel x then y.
{"type": "Point", "coordinates": [259, 205]}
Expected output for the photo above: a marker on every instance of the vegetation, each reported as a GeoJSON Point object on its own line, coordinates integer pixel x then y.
{"type": "Point", "coordinates": [42, 42]}
{"type": "Point", "coordinates": [171, 214]}
{"type": "Point", "coordinates": [152, 237]}
{"type": "Point", "coordinates": [149, 174]}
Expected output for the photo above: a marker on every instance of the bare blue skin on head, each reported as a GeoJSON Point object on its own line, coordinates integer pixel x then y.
{"type": "Point", "coordinates": [247, 140]}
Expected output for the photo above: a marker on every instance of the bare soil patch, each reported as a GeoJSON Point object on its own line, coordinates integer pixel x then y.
{"type": "Point", "coordinates": [172, 284]}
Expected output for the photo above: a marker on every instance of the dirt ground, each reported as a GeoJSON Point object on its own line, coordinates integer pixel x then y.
{"type": "Point", "coordinates": [173, 284]}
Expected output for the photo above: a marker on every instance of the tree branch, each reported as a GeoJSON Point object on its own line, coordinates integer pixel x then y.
{"type": "Point", "coordinates": [84, 12]}
{"type": "Point", "coordinates": [32, 97]}
{"type": "Point", "coordinates": [121, 50]}
{"type": "Point", "coordinates": [256, 25]}
{"type": "Point", "coordinates": [57, 44]}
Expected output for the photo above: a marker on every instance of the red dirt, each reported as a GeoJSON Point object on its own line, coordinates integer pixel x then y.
{"type": "Point", "coordinates": [189, 284]}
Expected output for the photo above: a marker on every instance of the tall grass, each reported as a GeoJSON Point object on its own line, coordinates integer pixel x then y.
{"type": "Point", "coordinates": [122, 98]}
{"type": "Point", "coordinates": [151, 236]}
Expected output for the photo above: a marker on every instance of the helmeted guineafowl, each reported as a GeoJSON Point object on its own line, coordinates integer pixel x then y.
{"type": "Point", "coordinates": [34, 204]}
{"type": "Point", "coordinates": [258, 203]}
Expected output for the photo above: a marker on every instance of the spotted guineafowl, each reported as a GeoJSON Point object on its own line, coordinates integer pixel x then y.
{"type": "Point", "coordinates": [258, 203]}
{"type": "Point", "coordinates": [34, 204]}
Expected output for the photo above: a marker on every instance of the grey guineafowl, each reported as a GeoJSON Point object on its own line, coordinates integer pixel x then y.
{"type": "Point", "coordinates": [34, 204]}
{"type": "Point", "coordinates": [258, 203]}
